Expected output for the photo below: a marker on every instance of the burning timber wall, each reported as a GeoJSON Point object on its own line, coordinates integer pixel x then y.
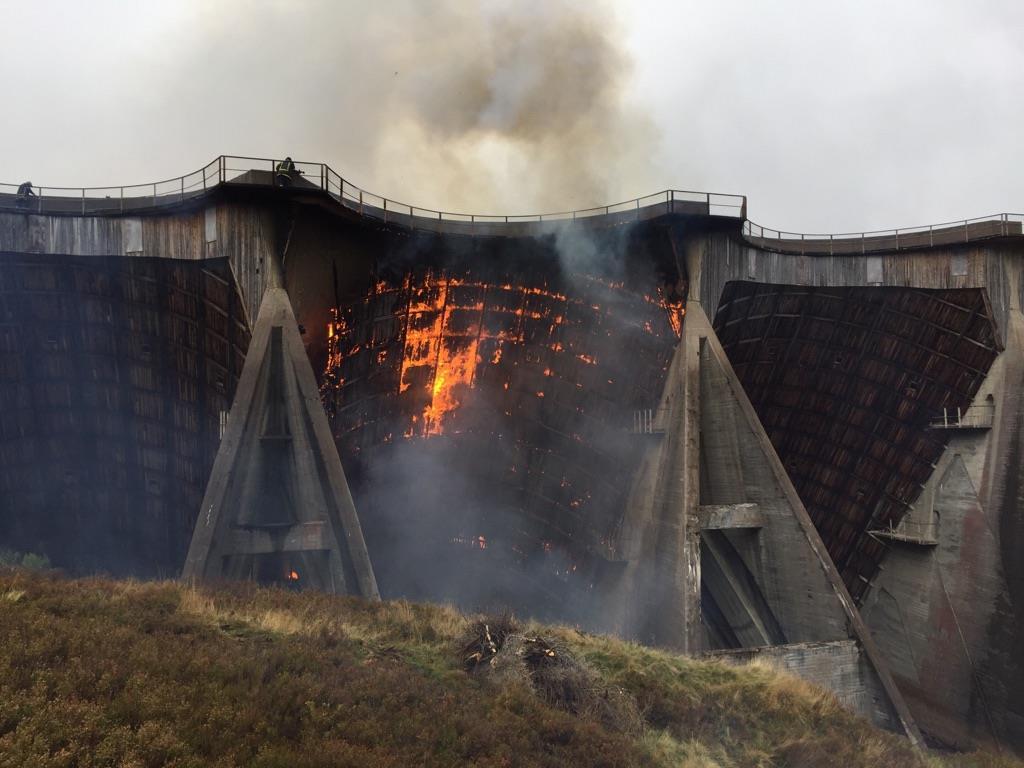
{"type": "Point", "coordinates": [484, 397]}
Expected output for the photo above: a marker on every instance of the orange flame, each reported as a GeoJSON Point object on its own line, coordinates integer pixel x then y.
{"type": "Point", "coordinates": [445, 337]}
{"type": "Point", "coordinates": [434, 341]}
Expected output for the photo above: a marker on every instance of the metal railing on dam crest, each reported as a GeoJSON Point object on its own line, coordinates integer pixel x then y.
{"type": "Point", "coordinates": [241, 170]}
{"type": "Point", "coordinates": [238, 170]}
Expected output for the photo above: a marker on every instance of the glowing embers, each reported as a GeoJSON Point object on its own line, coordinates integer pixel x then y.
{"type": "Point", "coordinates": [434, 338]}
{"type": "Point", "coordinates": [474, 542]}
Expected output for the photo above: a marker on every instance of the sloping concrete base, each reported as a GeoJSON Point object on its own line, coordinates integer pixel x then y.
{"type": "Point", "coordinates": [837, 665]}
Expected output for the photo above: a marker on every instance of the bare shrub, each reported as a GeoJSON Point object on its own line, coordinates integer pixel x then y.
{"type": "Point", "coordinates": [496, 647]}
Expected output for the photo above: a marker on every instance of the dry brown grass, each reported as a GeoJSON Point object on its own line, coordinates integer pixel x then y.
{"type": "Point", "coordinates": [105, 673]}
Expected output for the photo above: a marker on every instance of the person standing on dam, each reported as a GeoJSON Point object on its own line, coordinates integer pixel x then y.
{"type": "Point", "coordinates": [25, 191]}
{"type": "Point", "coordinates": [283, 172]}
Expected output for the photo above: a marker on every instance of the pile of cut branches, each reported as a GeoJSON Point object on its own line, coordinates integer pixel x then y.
{"type": "Point", "coordinates": [499, 649]}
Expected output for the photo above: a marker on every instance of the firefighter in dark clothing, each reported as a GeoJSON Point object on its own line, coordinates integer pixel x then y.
{"type": "Point", "coordinates": [25, 191]}
{"type": "Point", "coordinates": [284, 171]}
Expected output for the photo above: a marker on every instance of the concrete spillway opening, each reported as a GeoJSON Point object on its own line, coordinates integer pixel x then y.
{"type": "Point", "coordinates": [852, 385]}
{"type": "Point", "coordinates": [484, 417]}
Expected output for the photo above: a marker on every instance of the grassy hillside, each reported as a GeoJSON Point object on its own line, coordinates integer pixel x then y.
{"type": "Point", "coordinates": [107, 673]}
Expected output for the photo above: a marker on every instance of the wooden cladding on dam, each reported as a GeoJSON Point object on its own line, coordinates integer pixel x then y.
{"type": "Point", "coordinates": [113, 374]}
{"type": "Point", "coordinates": [846, 382]}
{"type": "Point", "coordinates": [487, 425]}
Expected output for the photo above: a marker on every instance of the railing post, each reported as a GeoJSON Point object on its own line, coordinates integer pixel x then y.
{"type": "Point", "coordinates": [830, 244]}
{"type": "Point", "coordinates": [182, 189]}
{"type": "Point", "coordinates": [385, 209]}
{"type": "Point", "coordinates": [154, 194]}
{"type": "Point", "coordinates": [221, 169]}
{"type": "Point", "coordinates": [39, 204]}
{"type": "Point", "coordinates": [931, 235]}
{"type": "Point", "coordinates": [967, 234]}
{"type": "Point", "coordinates": [360, 202]}
{"type": "Point", "coordinates": [83, 200]}
{"type": "Point", "coordinates": [122, 198]}
{"type": "Point", "coordinates": [862, 245]}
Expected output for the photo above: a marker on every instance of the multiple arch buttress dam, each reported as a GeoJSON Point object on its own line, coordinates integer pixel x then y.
{"type": "Point", "coordinates": [654, 418]}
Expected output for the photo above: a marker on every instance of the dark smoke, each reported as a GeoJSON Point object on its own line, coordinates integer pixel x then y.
{"type": "Point", "coordinates": [426, 502]}
{"type": "Point", "coordinates": [513, 108]}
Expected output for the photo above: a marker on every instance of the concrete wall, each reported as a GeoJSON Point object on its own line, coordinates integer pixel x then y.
{"type": "Point", "coordinates": [838, 666]}
{"type": "Point", "coordinates": [717, 257]}
{"type": "Point", "coordinates": [950, 617]}
{"type": "Point", "coordinates": [788, 571]}
{"type": "Point", "coordinates": [777, 578]}
{"type": "Point", "coordinates": [244, 234]}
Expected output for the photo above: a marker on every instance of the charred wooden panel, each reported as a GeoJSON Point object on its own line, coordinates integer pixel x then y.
{"type": "Point", "coordinates": [113, 375]}
{"type": "Point", "coordinates": [482, 395]}
{"type": "Point", "coordinates": [846, 382]}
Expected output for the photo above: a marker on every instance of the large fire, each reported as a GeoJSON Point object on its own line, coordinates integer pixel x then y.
{"type": "Point", "coordinates": [453, 327]}
{"type": "Point", "coordinates": [516, 402]}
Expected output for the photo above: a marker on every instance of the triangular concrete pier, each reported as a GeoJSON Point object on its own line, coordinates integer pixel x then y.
{"type": "Point", "coordinates": [721, 553]}
{"type": "Point", "coordinates": [277, 507]}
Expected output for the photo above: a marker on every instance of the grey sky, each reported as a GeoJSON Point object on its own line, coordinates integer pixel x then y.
{"type": "Point", "coordinates": [830, 116]}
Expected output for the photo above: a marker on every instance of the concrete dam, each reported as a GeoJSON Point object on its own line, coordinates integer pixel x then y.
{"type": "Point", "coordinates": [656, 419]}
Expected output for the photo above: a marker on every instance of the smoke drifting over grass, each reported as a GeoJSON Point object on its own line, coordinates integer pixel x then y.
{"type": "Point", "coordinates": [505, 107]}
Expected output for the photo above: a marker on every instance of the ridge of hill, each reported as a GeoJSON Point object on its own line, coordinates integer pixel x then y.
{"type": "Point", "coordinates": [96, 672]}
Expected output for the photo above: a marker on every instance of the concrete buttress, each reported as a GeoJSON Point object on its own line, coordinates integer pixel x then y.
{"type": "Point", "coordinates": [720, 552]}
{"type": "Point", "coordinates": [277, 507]}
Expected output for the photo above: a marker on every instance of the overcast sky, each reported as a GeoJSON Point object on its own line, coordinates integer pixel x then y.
{"type": "Point", "coordinates": [829, 116]}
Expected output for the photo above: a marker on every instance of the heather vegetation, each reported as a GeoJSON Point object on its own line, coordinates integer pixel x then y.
{"type": "Point", "coordinates": [30, 560]}
{"type": "Point", "coordinates": [117, 673]}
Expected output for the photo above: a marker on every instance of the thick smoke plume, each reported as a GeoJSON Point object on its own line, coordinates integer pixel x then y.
{"type": "Point", "coordinates": [518, 108]}
{"type": "Point", "coordinates": [482, 107]}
